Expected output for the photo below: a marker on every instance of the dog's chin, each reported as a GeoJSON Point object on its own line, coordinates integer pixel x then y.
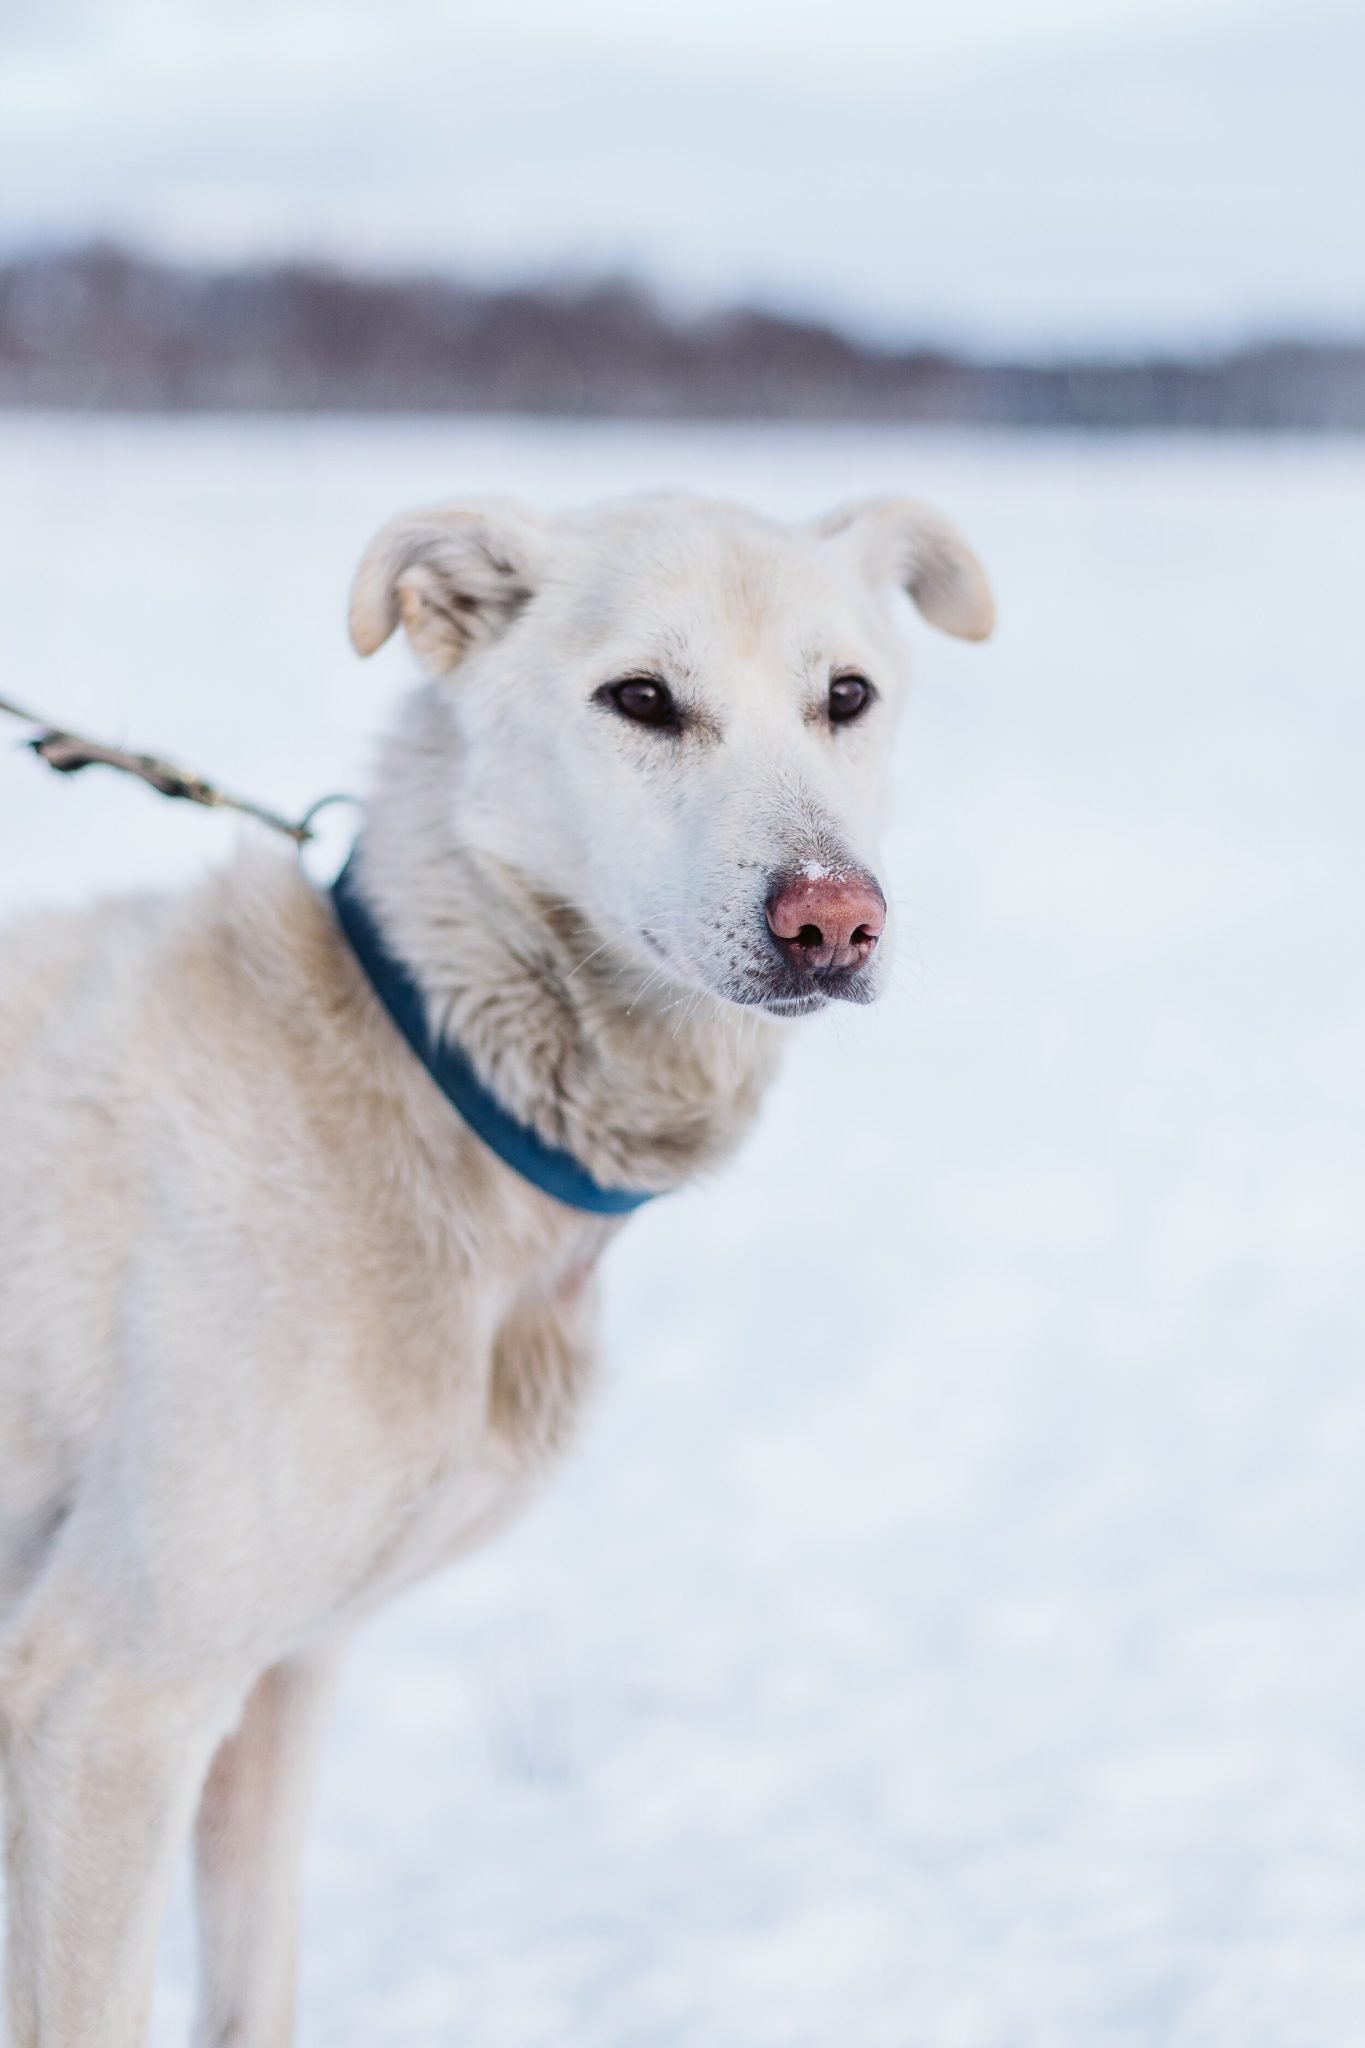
{"type": "Point", "coordinates": [789, 995]}
{"type": "Point", "coordinates": [776, 991]}
{"type": "Point", "coordinates": [804, 1005]}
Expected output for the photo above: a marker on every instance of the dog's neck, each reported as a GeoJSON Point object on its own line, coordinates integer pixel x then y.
{"type": "Point", "coordinates": [644, 1084]}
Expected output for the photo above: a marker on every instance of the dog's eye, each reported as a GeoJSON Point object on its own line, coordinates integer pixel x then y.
{"type": "Point", "coordinates": [643, 699]}
{"type": "Point", "coordinates": [849, 697]}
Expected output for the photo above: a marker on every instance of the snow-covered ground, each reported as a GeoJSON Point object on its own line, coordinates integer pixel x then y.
{"type": "Point", "coordinates": [951, 1631]}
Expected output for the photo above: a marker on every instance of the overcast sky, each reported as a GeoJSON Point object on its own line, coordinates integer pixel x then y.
{"type": "Point", "coordinates": [1070, 171]}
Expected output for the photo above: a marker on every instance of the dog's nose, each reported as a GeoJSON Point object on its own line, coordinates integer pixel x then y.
{"type": "Point", "coordinates": [826, 924]}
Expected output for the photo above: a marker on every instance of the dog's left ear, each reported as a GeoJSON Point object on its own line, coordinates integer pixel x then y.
{"type": "Point", "coordinates": [899, 541]}
{"type": "Point", "coordinates": [456, 576]}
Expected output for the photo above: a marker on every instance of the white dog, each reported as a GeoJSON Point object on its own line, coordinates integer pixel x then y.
{"type": "Point", "coordinates": [301, 1196]}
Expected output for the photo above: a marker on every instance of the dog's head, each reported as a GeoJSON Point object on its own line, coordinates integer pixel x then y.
{"type": "Point", "coordinates": [676, 716]}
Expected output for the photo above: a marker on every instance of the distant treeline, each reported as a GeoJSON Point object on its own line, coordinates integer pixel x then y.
{"type": "Point", "coordinates": [100, 327]}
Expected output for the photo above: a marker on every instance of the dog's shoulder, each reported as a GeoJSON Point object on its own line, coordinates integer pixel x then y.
{"type": "Point", "coordinates": [70, 980]}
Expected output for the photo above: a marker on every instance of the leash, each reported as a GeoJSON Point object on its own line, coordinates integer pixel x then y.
{"type": "Point", "coordinates": [69, 752]}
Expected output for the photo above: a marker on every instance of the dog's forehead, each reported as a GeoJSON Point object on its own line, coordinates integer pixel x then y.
{"type": "Point", "coordinates": [689, 572]}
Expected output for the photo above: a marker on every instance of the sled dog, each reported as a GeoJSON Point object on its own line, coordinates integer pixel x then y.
{"type": "Point", "coordinates": [303, 1192]}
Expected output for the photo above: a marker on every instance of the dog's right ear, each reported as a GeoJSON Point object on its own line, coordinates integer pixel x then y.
{"type": "Point", "coordinates": [455, 576]}
{"type": "Point", "coordinates": [899, 541]}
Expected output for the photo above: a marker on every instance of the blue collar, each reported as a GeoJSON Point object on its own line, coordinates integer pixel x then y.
{"type": "Point", "coordinates": [516, 1144]}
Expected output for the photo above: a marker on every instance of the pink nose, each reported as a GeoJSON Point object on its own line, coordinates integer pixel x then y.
{"type": "Point", "coordinates": [827, 924]}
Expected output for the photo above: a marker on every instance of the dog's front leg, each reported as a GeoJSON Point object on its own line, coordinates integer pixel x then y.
{"type": "Point", "coordinates": [247, 1852]}
{"type": "Point", "coordinates": [101, 1774]}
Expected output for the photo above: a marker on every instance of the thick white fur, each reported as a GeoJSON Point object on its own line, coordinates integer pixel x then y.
{"type": "Point", "coordinates": [277, 1334]}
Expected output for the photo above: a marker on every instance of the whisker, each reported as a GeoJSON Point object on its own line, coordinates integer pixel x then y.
{"type": "Point", "coordinates": [596, 950]}
{"type": "Point", "coordinates": [690, 1011]}
{"type": "Point", "coordinates": [656, 974]}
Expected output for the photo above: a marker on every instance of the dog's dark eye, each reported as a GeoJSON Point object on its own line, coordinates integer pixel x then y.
{"type": "Point", "coordinates": [643, 699]}
{"type": "Point", "coordinates": [849, 697]}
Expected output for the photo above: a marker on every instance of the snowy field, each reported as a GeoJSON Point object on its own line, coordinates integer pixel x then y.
{"type": "Point", "coordinates": [951, 1630]}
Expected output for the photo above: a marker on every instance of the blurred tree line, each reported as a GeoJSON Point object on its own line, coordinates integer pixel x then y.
{"type": "Point", "coordinates": [102, 327]}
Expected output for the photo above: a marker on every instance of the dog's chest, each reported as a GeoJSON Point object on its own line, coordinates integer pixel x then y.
{"type": "Point", "coordinates": [469, 1454]}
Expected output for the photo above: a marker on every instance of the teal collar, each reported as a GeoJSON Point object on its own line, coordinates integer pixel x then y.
{"type": "Point", "coordinates": [548, 1168]}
